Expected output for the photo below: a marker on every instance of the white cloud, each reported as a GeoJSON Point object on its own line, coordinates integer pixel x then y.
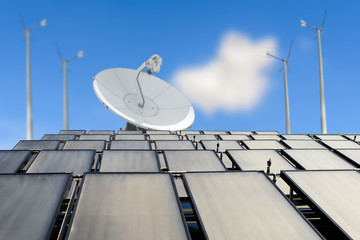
{"type": "Point", "coordinates": [235, 80]}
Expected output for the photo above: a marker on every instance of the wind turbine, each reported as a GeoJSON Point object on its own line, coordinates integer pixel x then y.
{"type": "Point", "coordinates": [285, 63]}
{"type": "Point", "coordinates": [29, 122]}
{"type": "Point", "coordinates": [322, 97]}
{"type": "Point", "coordinates": [64, 63]}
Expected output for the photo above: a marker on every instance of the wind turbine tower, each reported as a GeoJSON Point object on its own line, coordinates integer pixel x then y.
{"type": "Point", "coordinates": [64, 63]}
{"type": "Point", "coordinates": [285, 63]}
{"type": "Point", "coordinates": [29, 121]}
{"type": "Point", "coordinates": [322, 97]}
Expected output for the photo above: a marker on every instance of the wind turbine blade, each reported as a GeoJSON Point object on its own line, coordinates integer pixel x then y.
{"type": "Point", "coordinates": [322, 34]}
{"type": "Point", "coordinates": [21, 20]}
{"type": "Point", "coordinates": [289, 50]}
{"type": "Point", "coordinates": [58, 50]}
{"type": "Point", "coordinates": [288, 66]}
{"type": "Point", "coordinates": [282, 68]}
{"type": "Point", "coordinates": [322, 25]}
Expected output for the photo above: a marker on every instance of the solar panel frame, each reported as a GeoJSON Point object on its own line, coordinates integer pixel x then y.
{"type": "Point", "coordinates": [266, 137]}
{"type": "Point", "coordinates": [60, 137]}
{"type": "Point", "coordinates": [115, 145]}
{"type": "Point", "coordinates": [166, 157]}
{"type": "Point", "coordinates": [275, 142]}
{"type": "Point", "coordinates": [196, 209]}
{"type": "Point", "coordinates": [199, 137]}
{"type": "Point", "coordinates": [336, 144]}
{"type": "Point", "coordinates": [343, 154]}
{"type": "Point", "coordinates": [109, 132]}
{"type": "Point", "coordinates": [134, 132]}
{"type": "Point", "coordinates": [129, 137]}
{"type": "Point", "coordinates": [233, 158]}
{"type": "Point", "coordinates": [173, 137]}
{"type": "Point", "coordinates": [63, 194]}
{"type": "Point", "coordinates": [76, 132]}
{"type": "Point", "coordinates": [105, 137]}
{"type": "Point", "coordinates": [52, 145]}
{"type": "Point", "coordinates": [143, 173]}
{"type": "Point", "coordinates": [40, 161]}
{"type": "Point", "coordinates": [296, 137]}
{"type": "Point", "coordinates": [298, 164]}
{"type": "Point", "coordinates": [316, 145]}
{"type": "Point", "coordinates": [19, 163]}
{"type": "Point", "coordinates": [221, 144]}
{"type": "Point", "coordinates": [136, 150]}
{"type": "Point", "coordinates": [72, 145]}
{"type": "Point", "coordinates": [236, 137]}
{"type": "Point", "coordinates": [312, 203]}
{"type": "Point", "coordinates": [188, 142]}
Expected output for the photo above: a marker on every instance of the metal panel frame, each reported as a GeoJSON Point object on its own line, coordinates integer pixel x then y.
{"type": "Point", "coordinates": [64, 194]}
{"type": "Point", "coordinates": [309, 200]}
{"type": "Point", "coordinates": [188, 191]}
{"type": "Point", "coordinates": [346, 158]}
{"type": "Point", "coordinates": [69, 150]}
{"type": "Point", "coordinates": [83, 141]}
{"type": "Point", "coordinates": [160, 149]}
{"type": "Point", "coordinates": [220, 141]}
{"type": "Point", "coordinates": [117, 173]}
{"type": "Point", "coordinates": [133, 150]}
{"type": "Point", "coordinates": [184, 150]}
{"type": "Point", "coordinates": [130, 141]}
{"type": "Point", "coordinates": [238, 166]}
{"type": "Point", "coordinates": [28, 156]}
{"type": "Point", "coordinates": [269, 140]}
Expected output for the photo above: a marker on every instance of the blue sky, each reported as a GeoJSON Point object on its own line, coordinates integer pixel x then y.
{"type": "Point", "coordinates": [185, 34]}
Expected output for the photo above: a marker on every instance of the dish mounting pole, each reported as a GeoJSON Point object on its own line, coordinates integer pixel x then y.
{"type": "Point", "coordinates": [153, 65]}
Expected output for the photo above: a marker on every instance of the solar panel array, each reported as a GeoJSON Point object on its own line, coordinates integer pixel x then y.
{"type": "Point", "coordinates": [181, 185]}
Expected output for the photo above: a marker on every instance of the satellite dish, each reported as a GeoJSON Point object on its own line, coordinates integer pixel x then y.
{"type": "Point", "coordinates": [143, 99]}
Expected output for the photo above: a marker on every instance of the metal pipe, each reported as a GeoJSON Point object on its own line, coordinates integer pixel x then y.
{"type": "Point", "coordinates": [66, 117]}
{"type": "Point", "coordinates": [29, 121]}
{"type": "Point", "coordinates": [322, 97]}
{"type": "Point", "coordinates": [287, 112]}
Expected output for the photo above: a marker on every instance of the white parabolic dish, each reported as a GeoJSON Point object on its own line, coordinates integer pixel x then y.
{"type": "Point", "coordinates": [165, 107]}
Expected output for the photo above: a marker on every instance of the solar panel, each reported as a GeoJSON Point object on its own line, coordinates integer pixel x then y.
{"type": "Point", "coordinates": [312, 159]}
{"type": "Point", "coordinates": [354, 137]}
{"type": "Point", "coordinates": [129, 132]}
{"type": "Point", "coordinates": [129, 161]}
{"type": "Point", "coordinates": [129, 137]}
{"type": "Point", "coordinates": [330, 137]}
{"type": "Point", "coordinates": [199, 137]}
{"type": "Point", "coordinates": [241, 132]}
{"type": "Point", "coordinates": [347, 144]}
{"type": "Point", "coordinates": [97, 145]}
{"type": "Point", "coordinates": [296, 137]}
{"type": "Point", "coordinates": [237, 137]}
{"type": "Point", "coordinates": [214, 132]}
{"type": "Point", "coordinates": [157, 132]}
{"type": "Point", "coordinates": [76, 132]}
{"type": "Point", "coordinates": [303, 144]}
{"type": "Point", "coordinates": [266, 137]}
{"type": "Point", "coordinates": [223, 145]}
{"type": "Point", "coordinates": [193, 160]}
{"type": "Point", "coordinates": [263, 144]}
{"type": "Point", "coordinates": [352, 154]}
{"type": "Point", "coordinates": [58, 137]}
{"type": "Point", "coordinates": [36, 145]}
{"type": "Point", "coordinates": [104, 137]}
{"type": "Point", "coordinates": [257, 160]}
{"type": "Point", "coordinates": [163, 137]}
{"type": "Point", "coordinates": [130, 145]}
{"type": "Point", "coordinates": [245, 205]}
{"type": "Point", "coordinates": [267, 132]}
{"type": "Point", "coordinates": [11, 161]}
{"type": "Point", "coordinates": [29, 204]}
{"type": "Point", "coordinates": [131, 206]}
{"type": "Point", "coordinates": [188, 132]}
{"type": "Point", "coordinates": [334, 193]}
{"type": "Point", "coordinates": [111, 132]}
{"type": "Point", "coordinates": [68, 161]}
{"type": "Point", "coordinates": [174, 145]}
